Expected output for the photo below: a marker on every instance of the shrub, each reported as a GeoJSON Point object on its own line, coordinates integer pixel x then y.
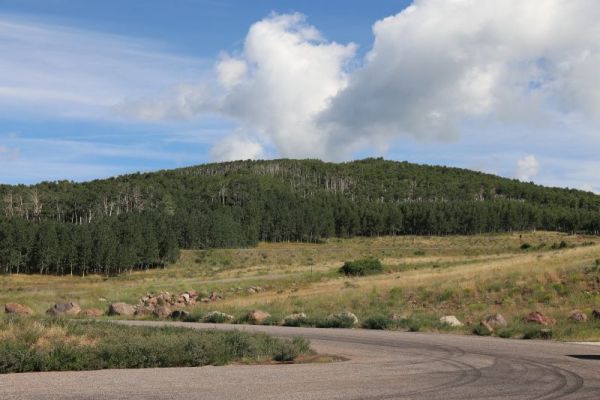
{"type": "Point", "coordinates": [61, 345]}
{"type": "Point", "coordinates": [525, 246]}
{"type": "Point", "coordinates": [289, 350]}
{"type": "Point", "coordinates": [363, 267]}
{"type": "Point", "coordinates": [342, 320]}
{"type": "Point", "coordinates": [377, 322]}
{"type": "Point", "coordinates": [481, 330]}
{"type": "Point", "coordinates": [536, 332]}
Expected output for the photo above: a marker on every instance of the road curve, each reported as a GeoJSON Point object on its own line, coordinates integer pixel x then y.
{"type": "Point", "coordinates": [381, 365]}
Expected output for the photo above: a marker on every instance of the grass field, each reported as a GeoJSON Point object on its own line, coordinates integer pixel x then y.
{"type": "Point", "coordinates": [425, 278]}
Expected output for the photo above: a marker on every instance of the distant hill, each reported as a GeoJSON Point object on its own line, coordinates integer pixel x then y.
{"type": "Point", "coordinates": [141, 220]}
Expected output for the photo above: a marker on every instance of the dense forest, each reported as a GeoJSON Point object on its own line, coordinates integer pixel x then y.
{"type": "Point", "coordinates": [141, 220]}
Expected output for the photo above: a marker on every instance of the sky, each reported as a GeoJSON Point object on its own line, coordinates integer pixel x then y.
{"type": "Point", "coordinates": [94, 89]}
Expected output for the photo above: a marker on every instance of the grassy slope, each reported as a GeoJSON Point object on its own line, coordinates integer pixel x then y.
{"type": "Point", "coordinates": [469, 276]}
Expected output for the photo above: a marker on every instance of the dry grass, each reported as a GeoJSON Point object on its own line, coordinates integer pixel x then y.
{"type": "Point", "coordinates": [469, 276]}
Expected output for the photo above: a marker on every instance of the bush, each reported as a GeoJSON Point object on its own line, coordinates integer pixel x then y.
{"type": "Point", "coordinates": [289, 350]}
{"type": "Point", "coordinates": [536, 332]}
{"type": "Point", "coordinates": [342, 320]}
{"type": "Point", "coordinates": [363, 267]}
{"type": "Point", "coordinates": [525, 246]}
{"type": "Point", "coordinates": [63, 345]}
{"type": "Point", "coordinates": [377, 322]}
{"type": "Point", "coordinates": [481, 330]}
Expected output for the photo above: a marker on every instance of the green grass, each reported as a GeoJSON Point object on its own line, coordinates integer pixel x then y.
{"type": "Point", "coordinates": [28, 344]}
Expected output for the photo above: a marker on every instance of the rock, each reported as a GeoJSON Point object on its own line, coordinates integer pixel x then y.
{"type": "Point", "coordinates": [294, 319]}
{"type": "Point", "coordinates": [16, 308]}
{"type": "Point", "coordinates": [62, 309]}
{"type": "Point", "coordinates": [578, 316]}
{"type": "Point", "coordinates": [217, 317]}
{"type": "Point", "coordinates": [121, 309]}
{"type": "Point", "coordinates": [451, 320]}
{"type": "Point", "coordinates": [214, 296]}
{"type": "Point", "coordinates": [493, 322]}
{"type": "Point", "coordinates": [186, 297]}
{"type": "Point", "coordinates": [251, 290]}
{"type": "Point", "coordinates": [596, 314]}
{"type": "Point", "coordinates": [258, 317]}
{"type": "Point", "coordinates": [92, 312]}
{"type": "Point", "coordinates": [205, 300]}
{"type": "Point", "coordinates": [193, 293]}
{"type": "Point", "coordinates": [141, 311]}
{"type": "Point", "coordinates": [162, 311]}
{"type": "Point", "coordinates": [179, 314]}
{"type": "Point", "coordinates": [539, 318]}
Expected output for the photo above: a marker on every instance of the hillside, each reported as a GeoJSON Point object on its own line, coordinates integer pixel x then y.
{"type": "Point", "coordinates": [141, 220]}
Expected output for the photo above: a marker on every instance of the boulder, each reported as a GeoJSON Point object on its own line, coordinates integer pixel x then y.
{"type": "Point", "coordinates": [123, 309]}
{"type": "Point", "coordinates": [141, 311]}
{"type": "Point", "coordinates": [16, 308]}
{"type": "Point", "coordinates": [596, 314]}
{"type": "Point", "coordinates": [537, 317]}
{"type": "Point", "coordinates": [578, 316]}
{"type": "Point", "coordinates": [258, 317]}
{"type": "Point", "coordinates": [493, 322]}
{"type": "Point", "coordinates": [92, 312]}
{"type": "Point", "coordinates": [162, 311]}
{"type": "Point", "coordinates": [450, 320]}
{"type": "Point", "coordinates": [217, 317]}
{"type": "Point", "coordinates": [179, 314]}
{"type": "Point", "coordinates": [64, 309]}
{"type": "Point", "coordinates": [214, 296]}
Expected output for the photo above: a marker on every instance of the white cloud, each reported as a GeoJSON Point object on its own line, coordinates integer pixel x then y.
{"type": "Point", "coordinates": [237, 147]}
{"type": "Point", "coordinates": [527, 168]}
{"type": "Point", "coordinates": [432, 67]}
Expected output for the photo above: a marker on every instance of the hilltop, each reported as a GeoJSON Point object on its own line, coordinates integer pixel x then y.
{"type": "Point", "coordinates": [142, 220]}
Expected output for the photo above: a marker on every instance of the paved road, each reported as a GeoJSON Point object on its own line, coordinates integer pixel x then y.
{"type": "Point", "coordinates": [381, 365]}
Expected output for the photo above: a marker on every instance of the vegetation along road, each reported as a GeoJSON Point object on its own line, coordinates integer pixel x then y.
{"type": "Point", "coordinates": [379, 365]}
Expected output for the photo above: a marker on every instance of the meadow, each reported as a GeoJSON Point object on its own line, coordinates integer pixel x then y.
{"type": "Point", "coordinates": [424, 278]}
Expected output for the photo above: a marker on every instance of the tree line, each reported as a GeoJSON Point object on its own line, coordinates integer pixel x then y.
{"type": "Point", "coordinates": [141, 221]}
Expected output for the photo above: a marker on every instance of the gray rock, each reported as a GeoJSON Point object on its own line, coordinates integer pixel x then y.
{"type": "Point", "coordinates": [64, 309]}
{"type": "Point", "coordinates": [494, 322]}
{"type": "Point", "coordinates": [577, 316]}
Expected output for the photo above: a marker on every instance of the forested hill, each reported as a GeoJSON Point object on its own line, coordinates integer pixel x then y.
{"type": "Point", "coordinates": [141, 220]}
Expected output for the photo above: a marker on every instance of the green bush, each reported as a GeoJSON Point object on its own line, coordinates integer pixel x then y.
{"type": "Point", "coordinates": [34, 345]}
{"type": "Point", "coordinates": [378, 322]}
{"type": "Point", "coordinates": [363, 267]}
{"type": "Point", "coordinates": [525, 246]}
{"type": "Point", "coordinates": [335, 321]}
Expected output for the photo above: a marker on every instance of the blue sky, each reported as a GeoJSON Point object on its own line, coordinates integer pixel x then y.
{"type": "Point", "coordinates": [93, 89]}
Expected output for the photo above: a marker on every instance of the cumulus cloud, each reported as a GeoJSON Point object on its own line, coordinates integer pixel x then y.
{"type": "Point", "coordinates": [432, 67]}
{"type": "Point", "coordinates": [527, 168]}
{"type": "Point", "coordinates": [237, 147]}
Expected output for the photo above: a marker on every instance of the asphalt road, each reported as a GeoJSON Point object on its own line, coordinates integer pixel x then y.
{"type": "Point", "coordinates": [381, 365]}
